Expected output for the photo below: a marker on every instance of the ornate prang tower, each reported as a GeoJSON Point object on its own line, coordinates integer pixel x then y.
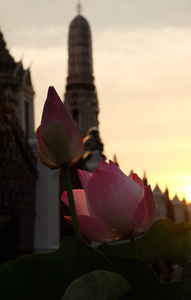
{"type": "Point", "coordinates": [80, 97]}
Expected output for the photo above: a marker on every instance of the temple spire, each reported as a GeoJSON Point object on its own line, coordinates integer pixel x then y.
{"type": "Point", "coordinates": [79, 7]}
{"type": "Point", "coordinates": [81, 97]}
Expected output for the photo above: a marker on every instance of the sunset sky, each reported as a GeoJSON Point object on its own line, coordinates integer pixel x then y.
{"type": "Point", "coordinates": [142, 69]}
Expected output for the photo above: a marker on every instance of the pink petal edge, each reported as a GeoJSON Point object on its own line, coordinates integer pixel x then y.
{"type": "Point", "coordinates": [146, 212]}
{"type": "Point", "coordinates": [103, 165]}
{"type": "Point", "coordinates": [93, 229]}
{"type": "Point", "coordinates": [113, 199]}
{"type": "Point", "coordinates": [84, 178]}
{"type": "Point", "coordinates": [53, 97]}
{"type": "Point", "coordinates": [113, 168]}
{"type": "Point", "coordinates": [137, 179]}
{"type": "Point", "coordinates": [80, 201]}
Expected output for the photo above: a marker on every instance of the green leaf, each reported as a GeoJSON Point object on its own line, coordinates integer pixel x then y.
{"type": "Point", "coordinates": [186, 272]}
{"type": "Point", "coordinates": [47, 275]}
{"type": "Point", "coordinates": [164, 240]}
{"type": "Point", "coordinates": [180, 290]}
{"type": "Point", "coordinates": [98, 285]}
{"type": "Point", "coordinates": [142, 279]}
{"type": "Point", "coordinates": [144, 283]}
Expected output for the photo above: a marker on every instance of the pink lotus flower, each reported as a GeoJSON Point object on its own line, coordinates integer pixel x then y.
{"type": "Point", "coordinates": [112, 204]}
{"type": "Point", "coordinates": [58, 136]}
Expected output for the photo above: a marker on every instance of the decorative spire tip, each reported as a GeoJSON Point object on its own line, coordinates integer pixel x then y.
{"type": "Point", "coordinates": [79, 7]}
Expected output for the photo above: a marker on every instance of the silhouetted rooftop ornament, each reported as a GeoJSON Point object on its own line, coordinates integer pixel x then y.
{"type": "Point", "coordinates": [157, 191]}
{"type": "Point", "coordinates": [79, 7]}
{"type": "Point", "coordinates": [115, 160]}
{"type": "Point", "coordinates": [176, 200]}
{"type": "Point", "coordinates": [145, 181]}
{"type": "Point", "coordinates": [167, 192]}
{"type": "Point", "coordinates": [131, 172]}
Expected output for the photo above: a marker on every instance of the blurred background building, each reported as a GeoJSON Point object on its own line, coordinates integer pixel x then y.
{"type": "Point", "coordinates": [18, 164]}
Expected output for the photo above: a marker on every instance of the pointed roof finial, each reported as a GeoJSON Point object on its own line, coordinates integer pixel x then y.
{"type": "Point", "coordinates": [79, 7]}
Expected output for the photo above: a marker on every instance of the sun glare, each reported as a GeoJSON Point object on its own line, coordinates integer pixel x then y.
{"type": "Point", "coordinates": [182, 186]}
{"type": "Point", "coordinates": [188, 193]}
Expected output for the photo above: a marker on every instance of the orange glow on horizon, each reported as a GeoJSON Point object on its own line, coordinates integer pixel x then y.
{"type": "Point", "coordinates": [188, 193]}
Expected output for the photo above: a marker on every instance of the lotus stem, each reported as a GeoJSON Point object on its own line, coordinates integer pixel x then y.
{"type": "Point", "coordinates": [132, 240]}
{"type": "Point", "coordinates": [70, 195]}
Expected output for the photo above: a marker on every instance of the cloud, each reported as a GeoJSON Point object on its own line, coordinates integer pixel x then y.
{"type": "Point", "coordinates": [148, 109]}
{"type": "Point", "coordinates": [112, 14]}
{"type": "Point", "coordinates": [27, 38]}
{"type": "Point", "coordinates": [140, 14]}
{"type": "Point", "coordinates": [146, 60]}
